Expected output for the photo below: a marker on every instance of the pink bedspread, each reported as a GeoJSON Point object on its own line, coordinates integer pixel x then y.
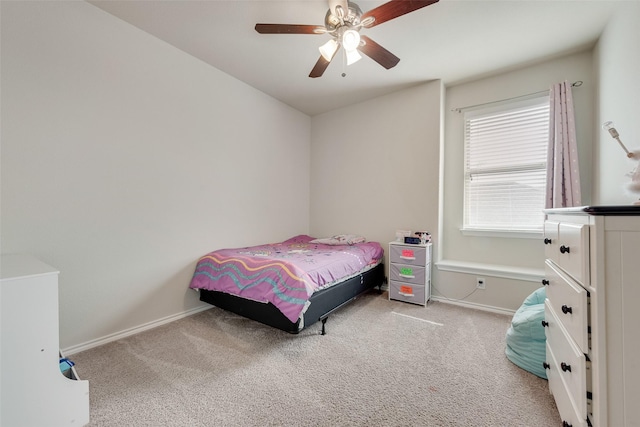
{"type": "Point", "coordinates": [285, 274]}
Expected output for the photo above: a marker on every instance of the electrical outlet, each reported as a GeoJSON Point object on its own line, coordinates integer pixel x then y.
{"type": "Point", "coordinates": [480, 283]}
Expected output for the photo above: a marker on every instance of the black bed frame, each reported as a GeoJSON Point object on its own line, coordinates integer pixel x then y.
{"type": "Point", "coordinates": [323, 302]}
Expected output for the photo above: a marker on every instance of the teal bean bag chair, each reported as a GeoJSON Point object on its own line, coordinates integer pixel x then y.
{"type": "Point", "coordinates": [526, 341]}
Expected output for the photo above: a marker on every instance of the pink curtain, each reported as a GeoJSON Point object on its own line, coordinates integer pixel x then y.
{"type": "Point", "coordinates": [563, 172]}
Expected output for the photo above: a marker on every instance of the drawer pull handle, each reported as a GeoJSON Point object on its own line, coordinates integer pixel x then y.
{"type": "Point", "coordinates": [406, 276]}
{"type": "Point", "coordinates": [410, 258]}
{"type": "Point", "coordinates": [565, 367]}
{"type": "Point", "coordinates": [565, 249]}
{"type": "Point", "coordinates": [545, 324]}
{"type": "Point", "coordinates": [567, 310]}
{"type": "Point", "coordinates": [566, 424]}
{"type": "Point", "coordinates": [547, 241]}
{"type": "Point", "coordinates": [545, 282]}
{"type": "Point", "coordinates": [545, 365]}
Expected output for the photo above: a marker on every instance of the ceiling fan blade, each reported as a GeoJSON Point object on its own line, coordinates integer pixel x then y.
{"type": "Point", "coordinates": [319, 68]}
{"type": "Point", "coordinates": [379, 54]}
{"type": "Point", "coordinates": [393, 9]}
{"type": "Point", "coordinates": [290, 29]}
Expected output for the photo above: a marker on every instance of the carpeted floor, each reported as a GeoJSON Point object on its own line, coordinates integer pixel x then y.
{"type": "Point", "coordinates": [382, 363]}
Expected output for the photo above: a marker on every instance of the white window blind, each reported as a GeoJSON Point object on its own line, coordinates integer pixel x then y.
{"type": "Point", "coordinates": [505, 166]}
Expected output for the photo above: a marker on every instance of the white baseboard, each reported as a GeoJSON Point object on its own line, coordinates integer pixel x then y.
{"type": "Point", "coordinates": [474, 305]}
{"type": "Point", "coordinates": [132, 331]}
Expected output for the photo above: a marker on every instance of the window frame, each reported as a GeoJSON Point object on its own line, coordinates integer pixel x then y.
{"type": "Point", "coordinates": [491, 110]}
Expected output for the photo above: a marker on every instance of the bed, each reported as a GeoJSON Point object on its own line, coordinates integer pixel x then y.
{"type": "Point", "coordinates": [290, 285]}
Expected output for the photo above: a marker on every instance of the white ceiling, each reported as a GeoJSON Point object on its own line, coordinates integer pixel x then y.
{"type": "Point", "coordinates": [452, 40]}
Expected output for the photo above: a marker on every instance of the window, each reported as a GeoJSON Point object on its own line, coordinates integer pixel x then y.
{"type": "Point", "coordinates": [505, 166]}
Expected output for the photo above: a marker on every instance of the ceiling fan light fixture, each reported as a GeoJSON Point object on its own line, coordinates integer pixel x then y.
{"type": "Point", "coordinates": [329, 49]}
{"type": "Point", "coordinates": [350, 40]}
{"type": "Point", "coordinates": [352, 56]}
{"type": "Point", "coordinates": [343, 21]}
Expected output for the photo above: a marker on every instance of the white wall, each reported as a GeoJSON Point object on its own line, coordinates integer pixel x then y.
{"type": "Point", "coordinates": [374, 165]}
{"type": "Point", "coordinates": [617, 65]}
{"type": "Point", "coordinates": [512, 264]}
{"type": "Point", "coordinates": [124, 160]}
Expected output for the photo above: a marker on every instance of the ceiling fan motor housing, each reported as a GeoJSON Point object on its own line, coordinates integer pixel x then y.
{"type": "Point", "coordinates": [350, 18]}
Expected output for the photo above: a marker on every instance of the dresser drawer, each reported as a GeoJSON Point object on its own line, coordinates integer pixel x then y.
{"type": "Point", "coordinates": [408, 273]}
{"type": "Point", "coordinates": [409, 255]}
{"type": "Point", "coordinates": [407, 292]}
{"type": "Point", "coordinates": [561, 394]}
{"type": "Point", "coordinates": [570, 302]}
{"type": "Point", "coordinates": [568, 362]}
{"type": "Point", "coordinates": [573, 250]}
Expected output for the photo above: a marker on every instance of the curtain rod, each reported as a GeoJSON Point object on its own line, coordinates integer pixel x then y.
{"type": "Point", "coordinates": [460, 109]}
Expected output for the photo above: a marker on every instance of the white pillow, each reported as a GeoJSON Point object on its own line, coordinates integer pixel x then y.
{"type": "Point", "coordinates": [341, 239]}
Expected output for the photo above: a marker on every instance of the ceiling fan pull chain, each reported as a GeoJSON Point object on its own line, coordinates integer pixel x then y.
{"type": "Point", "coordinates": [344, 63]}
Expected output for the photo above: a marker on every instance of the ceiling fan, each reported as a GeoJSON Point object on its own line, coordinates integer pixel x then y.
{"type": "Point", "coordinates": [343, 22]}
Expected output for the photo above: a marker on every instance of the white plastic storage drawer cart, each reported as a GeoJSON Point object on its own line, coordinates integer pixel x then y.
{"type": "Point", "coordinates": [410, 272]}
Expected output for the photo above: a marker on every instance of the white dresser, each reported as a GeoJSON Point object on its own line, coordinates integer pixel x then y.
{"type": "Point", "coordinates": [592, 314]}
{"type": "Point", "coordinates": [33, 391]}
{"type": "Point", "coordinates": [410, 272]}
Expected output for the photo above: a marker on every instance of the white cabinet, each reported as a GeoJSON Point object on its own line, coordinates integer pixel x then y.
{"type": "Point", "coordinates": [592, 275]}
{"type": "Point", "coordinates": [33, 391]}
{"type": "Point", "coordinates": [410, 272]}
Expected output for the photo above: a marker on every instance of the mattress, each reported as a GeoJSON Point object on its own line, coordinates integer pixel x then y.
{"type": "Point", "coordinates": [286, 273]}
